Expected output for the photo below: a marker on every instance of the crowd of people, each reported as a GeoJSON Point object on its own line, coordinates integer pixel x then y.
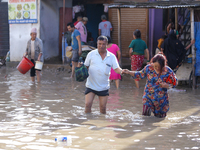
{"type": "Point", "coordinates": [79, 36]}
{"type": "Point", "coordinates": [103, 64]}
{"type": "Point", "coordinates": [171, 46]}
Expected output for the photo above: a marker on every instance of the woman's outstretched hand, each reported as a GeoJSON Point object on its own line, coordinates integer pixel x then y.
{"type": "Point", "coordinates": [165, 85]}
{"type": "Point", "coordinates": [125, 71]}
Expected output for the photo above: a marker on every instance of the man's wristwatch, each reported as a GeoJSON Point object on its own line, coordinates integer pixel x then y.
{"type": "Point", "coordinates": [121, 72]}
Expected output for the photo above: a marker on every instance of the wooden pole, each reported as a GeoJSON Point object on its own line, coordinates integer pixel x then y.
{"type": "Point", "coordinates": [119, 32]}
{"type": "Point", "coordinates": [176, 18]}
{"type": "Point", "coordinates": [193, 48]}
{"type": "Point", "coordinates": [63, 51]}
{"type": "Point", "coordinates": [63, 16]}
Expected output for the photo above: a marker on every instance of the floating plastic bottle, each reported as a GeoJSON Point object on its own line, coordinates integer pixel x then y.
{"type": "Point", "coordinates": [66, 139]}
{"type": "Point", "coordinates": [61, 139]}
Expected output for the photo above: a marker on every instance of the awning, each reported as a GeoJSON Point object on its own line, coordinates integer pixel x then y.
{"type": "Point", "coordinates": [157, 4]}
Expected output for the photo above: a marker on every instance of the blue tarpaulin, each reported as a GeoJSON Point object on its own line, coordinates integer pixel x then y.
{"type": "Point", "coordinates": [197, 45]}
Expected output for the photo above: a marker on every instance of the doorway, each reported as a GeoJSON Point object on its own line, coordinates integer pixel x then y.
{"type": "Point", "coordinates": [94, 12]}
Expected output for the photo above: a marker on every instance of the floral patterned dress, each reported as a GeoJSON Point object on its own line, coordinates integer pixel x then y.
{"type": "Point", "coordinates": [154, 96]}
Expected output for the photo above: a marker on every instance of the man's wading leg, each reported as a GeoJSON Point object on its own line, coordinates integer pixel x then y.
{"type": "Point", "coordinates": [88, 102]}
{"type": "Point", "coordinates": [102, 104]}
{"type": "Point", "coordinates": [74, 65]}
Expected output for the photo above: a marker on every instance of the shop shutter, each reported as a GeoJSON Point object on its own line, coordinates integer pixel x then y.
{"type": "Point", "coordinates": [4, 29]}
{"type": "Point", "coordinates": [132, 19]}
{"type": "Point", "coordinates": [113, 18]}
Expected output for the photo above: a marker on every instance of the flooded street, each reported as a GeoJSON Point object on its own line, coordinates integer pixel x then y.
{"type": "Point", "coordinates": [33, 115]}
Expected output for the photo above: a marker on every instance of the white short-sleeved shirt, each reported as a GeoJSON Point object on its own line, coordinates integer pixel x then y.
{"type": "Point", "coordinates": [99, 70]}
{"type": "Point", "coordinates": [105, 27]}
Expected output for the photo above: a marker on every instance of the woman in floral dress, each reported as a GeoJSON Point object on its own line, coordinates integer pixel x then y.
{"type": "Point", "coordinates": [159, 78]}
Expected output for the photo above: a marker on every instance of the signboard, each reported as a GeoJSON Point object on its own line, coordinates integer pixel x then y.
{"type": "Point", "coordinates": [22, 11]}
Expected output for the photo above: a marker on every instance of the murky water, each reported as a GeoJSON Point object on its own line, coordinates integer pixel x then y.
{"type": "Point", "coordinates": [33, 115]}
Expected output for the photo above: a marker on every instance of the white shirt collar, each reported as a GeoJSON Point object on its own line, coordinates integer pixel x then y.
{"type": "Point", "coordinates": [107, 54]}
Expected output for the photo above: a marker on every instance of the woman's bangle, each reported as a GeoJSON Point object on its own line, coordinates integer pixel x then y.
{"type": "Point", "coordinates": [147, 60]}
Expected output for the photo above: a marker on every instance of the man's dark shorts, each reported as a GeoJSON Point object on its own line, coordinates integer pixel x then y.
{"type": "Point", "coordinates": [32, 72]}
{"type": "Point", "coordinates": [99, 93]}
{"type": "Point", "coordinates": [75, 55]}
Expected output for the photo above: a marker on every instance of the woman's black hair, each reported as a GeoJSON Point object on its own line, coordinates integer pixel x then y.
{"type": "Point", "coordinates": [137, 34]}
{"type": "Point", "coordinates": [70, 24]}
{"type": "Point", "coordinates": [164, 37]}
{"type": "Point", "coordinates": [161, 59]}
{"type": "Point", "coordinates": [172, 26]}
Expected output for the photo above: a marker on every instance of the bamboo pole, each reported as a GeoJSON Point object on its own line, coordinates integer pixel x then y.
{"type": "Point", "coordinates": [193, 48]}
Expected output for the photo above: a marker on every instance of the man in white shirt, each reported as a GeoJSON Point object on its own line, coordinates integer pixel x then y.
{"type": "Point", "coordinates": [105, 27]}
{"type": "Point", "coordinates": [99, 63]}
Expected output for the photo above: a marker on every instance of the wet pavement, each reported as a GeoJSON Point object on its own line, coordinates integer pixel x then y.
{"type": "Point", "coordinates": [33, 115]}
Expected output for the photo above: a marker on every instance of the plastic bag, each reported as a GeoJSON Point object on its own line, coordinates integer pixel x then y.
{"type": "Point", "coordinates": [81, 73]}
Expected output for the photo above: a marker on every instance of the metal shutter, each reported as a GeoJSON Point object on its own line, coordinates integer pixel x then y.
{"type": "Point", "coordinates": [132, 19]}
{"type": "Point", "coordinates": [113, 18]}
{"type": "Point", "coordinates": [4, 29]}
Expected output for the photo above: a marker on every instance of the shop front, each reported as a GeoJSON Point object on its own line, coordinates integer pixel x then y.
{"type": "Point", "coordinates": [22, 16]}
{"type": "Point", "coordinates": [155, 25]}
{"type": "Point", "coordinates": [93, 11]}
{"type": "Point", "coordinates": [46, 16]}
{"type": "Point", "coordinates": [51, 21]}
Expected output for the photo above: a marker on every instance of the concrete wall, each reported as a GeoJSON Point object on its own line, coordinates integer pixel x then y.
{"type": "Point", "coordinates": [19, 35]}
{"type": "Point", "coordinates": [49, 28]}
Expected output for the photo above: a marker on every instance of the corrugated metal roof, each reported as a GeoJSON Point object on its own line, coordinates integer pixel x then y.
{"type": "Point", "coordinates": [156, 4]}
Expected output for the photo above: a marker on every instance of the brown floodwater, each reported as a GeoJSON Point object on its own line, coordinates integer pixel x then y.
{"type": "Point", "coordinates": [33, 115]}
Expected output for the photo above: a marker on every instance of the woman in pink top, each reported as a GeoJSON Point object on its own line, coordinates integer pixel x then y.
{"type": "Point", "coordinates": [113, 48]}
